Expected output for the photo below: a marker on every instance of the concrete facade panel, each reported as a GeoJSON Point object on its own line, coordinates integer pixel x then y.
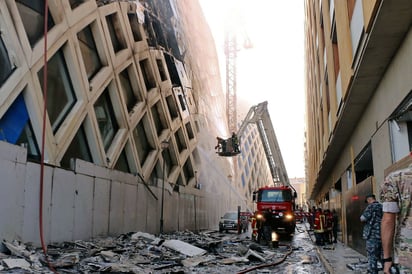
{"type": "Point", "coordinates": [130, 208]}
{"type": "Point", "coordinates": [12, 197]}
{"type": "Point", "coordinates": [153, 211]}
{"type": "Point", "coordinates": [101, 207]}
{"type": "Point", "coordinates": [62, 205]}
{"type": "Point", "coordinates": [141, 210]}
{"type": "Point", "coordinates": [83, 207]}
{"type": "Point", "coordinates": [31, 231]}
{"type": "Point", "coordinates": [116, 208]}
{"type": "Point", "coordinates": [171, 212]}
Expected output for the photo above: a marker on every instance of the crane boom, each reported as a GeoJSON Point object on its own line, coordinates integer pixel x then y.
{"type": "Point", "coordinates": [259, 115]}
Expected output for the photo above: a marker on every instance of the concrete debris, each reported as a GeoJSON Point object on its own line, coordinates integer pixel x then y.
{"type": "Point", "coordinates": [184, 248]}
{"type": "Point", "coordinates": [253, 255]}
{"type": "Point", "coordinates": [138, 252]}
{"type": "Point", "coordinates": [16, 263]}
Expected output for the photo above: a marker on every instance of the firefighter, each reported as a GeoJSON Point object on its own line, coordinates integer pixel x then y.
{"type": "Point", "coordinates": [319, 226]}
{"type": "Point", "coordinates": [254, 227]}
{"type": "Point", "coordinates": [235, 142]}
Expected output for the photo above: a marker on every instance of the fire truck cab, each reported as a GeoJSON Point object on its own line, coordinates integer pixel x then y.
{"type": "Point", "coordinates": [275, 208]}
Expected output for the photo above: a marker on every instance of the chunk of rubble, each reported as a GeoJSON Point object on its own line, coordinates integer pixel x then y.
{"type": "Point", "coordinates": [184, 248]}
{"type": "Point", "coordinates": [253, 255]}
{"type": "Point", "coordinates": [16, 263]}
{"type": "Point", "coordinates": [195, 261]}
{"type": "Point", "coordinates": [234, 260]}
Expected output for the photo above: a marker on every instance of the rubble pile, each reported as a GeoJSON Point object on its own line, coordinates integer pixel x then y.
{"type": "Point", "coordinates": [139, 252]}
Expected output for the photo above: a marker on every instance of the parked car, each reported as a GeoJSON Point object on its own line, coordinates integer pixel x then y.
{"type": "Point", "coordinates": [229, 221]}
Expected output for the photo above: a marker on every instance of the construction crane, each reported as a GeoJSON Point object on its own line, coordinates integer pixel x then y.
{"type": "Point", "coordinates": [231, 49]}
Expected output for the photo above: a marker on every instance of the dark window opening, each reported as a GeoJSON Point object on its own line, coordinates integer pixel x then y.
{"type": "Point", "coordinates": [89, 52]}
{"type": "Point", "coordinates": [180, 140]}
{"type": "Point", "coordinates": [78, 149]}
{"type": "Point", "coordinates": [161, 69]}
{"type": "Point", "coordinates": [116, 33]}
{"type": "Point", "coordinates": [171, 67]}
{"type": "Point", "coordinates": [60, 94]}
{"type": "Point", "coordinates": [75, 3]}
{"type": "Point", "coordinates": [6, 68]}
{"type": "Point", "coordinates": [16, 128]}
{"type": "Point", "coordinates": [122, 164]}
{"type": "Point", "coordinates": [158, 118]}
{"type": "Point", "coordinates": [338, 185]}
{"type": "Point", "coordinates": [134, 24]}
{"type": "Point", "coordinates": [171, 105]}
{"type": "Point", "coordinates": [148, 76]}
{"type": "Point", "coordinates": [188, 170]}
{"type": "Point", "coordinates": [106, 119]}
{"type": "Point", "coordinates": [127, 89]}
{"type": "Point", "coordinates": [189, 130]}
{"type": "Point", "coordinates": [143, 145]}
{"type": "Point", "coordinates": [182, 102]}
{"type": "Point", "coordinates": [32, 15]}
{"type": "Point", "coordinates": [364, 164]}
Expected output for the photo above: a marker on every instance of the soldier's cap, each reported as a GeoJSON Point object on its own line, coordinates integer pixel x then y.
{"type": "Point", "coordinates": [369, 196]}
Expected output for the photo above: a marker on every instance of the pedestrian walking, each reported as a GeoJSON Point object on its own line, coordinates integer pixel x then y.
{"type": "Point", "coordinates": [396, 192]}
{"type": "Point", "coordinates": [372, 217]}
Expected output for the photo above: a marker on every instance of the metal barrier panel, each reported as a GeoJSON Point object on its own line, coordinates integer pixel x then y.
{"type": "Point", "coordinates": [355, 205]}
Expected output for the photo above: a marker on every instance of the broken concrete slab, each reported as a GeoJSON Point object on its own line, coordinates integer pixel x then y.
{"type": "Point", "coordinates": [16, 263]}
{"type": "Point", "coordinates": [184, 248]}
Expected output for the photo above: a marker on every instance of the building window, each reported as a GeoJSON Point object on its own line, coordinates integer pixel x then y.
{"type": "Point", "coordinates": [143, 146]}
{"type": "Point", "coordinates": [171, 105]}
{"type": "Point", "coordinates": [161, 68]}
{"type": "Point", "coordinates": [116, 33]}
{"type": "Point", "coordinates": [15, 128]}
{"type": "Point", "coordinates": [134, 24]}
{"type": "Point", "coordinates": [158, 118]}
{"type": "Point", "coordinates": [188, 170]}
{"type": "Point", "coordinates": [6, 66]}
{"type": "Point", "coordinates": [122, 163]}
{"type": "Point", "coordinates": [131, 98]}
{"type": "Point", "coordinates": [148, 76]}
{"type": "Point", "coordinates": [106, 119]}
{"type": "Point", "coordinates": [32, 15]}
{"type": "Point", "coordinates": [78, 149]}
{"type": "Point", "coordinates": [189, 130]}
{"type": "Point", "coordinates": [89, 52]}
{"type": "Point", "coordinates": [75, 3]}
{"type": "Point", "coordinates": [180, 140]}
{"type": "Point", "coordinates": [182, 102]}
{"type": "Point", "coordinates": [60, 94]}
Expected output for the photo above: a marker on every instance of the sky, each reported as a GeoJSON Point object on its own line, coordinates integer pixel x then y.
{"type": "Point", "coordinates": [273, 70]}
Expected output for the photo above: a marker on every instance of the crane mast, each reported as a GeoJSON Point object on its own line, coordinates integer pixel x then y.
{"type": "Point", "coordinates": [231, 100]}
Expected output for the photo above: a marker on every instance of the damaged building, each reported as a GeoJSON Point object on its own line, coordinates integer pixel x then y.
{"type": "Point", "coordinates": [116, 131]}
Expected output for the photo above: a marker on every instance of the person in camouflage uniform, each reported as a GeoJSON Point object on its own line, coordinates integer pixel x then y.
{"type": "Point", "coordinates": [372, 217]}
{"type": "Point", "coordinates": [397, 220]}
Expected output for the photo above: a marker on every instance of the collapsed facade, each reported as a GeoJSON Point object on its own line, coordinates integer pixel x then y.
{"type": "Point", "coordinates": [358, 102]}
{"type": "Point", "coordinates": [133, 105]}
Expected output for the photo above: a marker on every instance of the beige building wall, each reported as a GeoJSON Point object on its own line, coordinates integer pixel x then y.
{"type": "Point", "coordinates": [358, 98]}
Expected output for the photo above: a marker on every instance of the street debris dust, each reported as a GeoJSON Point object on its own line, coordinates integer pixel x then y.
{"type": "Point", "coordinates": [179, 252]}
